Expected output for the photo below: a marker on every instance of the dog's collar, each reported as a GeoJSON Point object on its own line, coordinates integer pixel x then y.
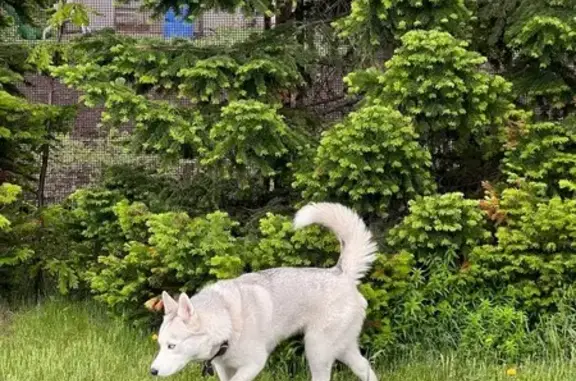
{"type": "Point", "coordinates": [207, 368]}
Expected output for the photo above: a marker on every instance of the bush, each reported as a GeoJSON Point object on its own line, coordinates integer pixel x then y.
{"type": "Point", "coordinates": [137, 253]}
{"type": "Point", "coordinates": [545, 153]}
{"type": "Point", "coordinates": [533, 261]}
{"type": "Point", "coordinates": [459, 111]}
{"type": "Point", "coordinates": [160, 251]}
{"type": "Point", "coordinates": [421, 284]}
{"type": "Point", "coordinates": [441, 230]}
{"type": "Point", "coordinates": [496, 331]}
{"type": "Point", "coordinates": [372, 162]}
{"type": "Point", "coordinates": [37, 253]}
{"type": "Point", "coordinates": [278, 244]}
{"type": "Point", "coordinates": [8, 195]}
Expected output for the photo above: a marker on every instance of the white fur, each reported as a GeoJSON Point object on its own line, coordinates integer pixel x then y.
{"type": "Point", "coordinates": [358, 249]}
{"type": "Point", "coordinates": [254, 312]}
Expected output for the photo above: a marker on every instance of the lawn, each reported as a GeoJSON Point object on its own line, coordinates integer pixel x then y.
{"type": "Point", "coordinates": [60, 341]}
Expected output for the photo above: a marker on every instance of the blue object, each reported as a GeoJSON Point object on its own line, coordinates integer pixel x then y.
{"type": "Point", "coordinates": [177, 26]}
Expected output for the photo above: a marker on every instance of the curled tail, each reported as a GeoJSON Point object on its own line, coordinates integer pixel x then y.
{"type": "Point", "coordinates": [358, 250]}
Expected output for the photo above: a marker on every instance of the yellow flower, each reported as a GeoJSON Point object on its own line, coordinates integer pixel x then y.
{"type": "Point", "coordinates": [511, 372]}
{"type": "Point", "coordinates": [154, 337]}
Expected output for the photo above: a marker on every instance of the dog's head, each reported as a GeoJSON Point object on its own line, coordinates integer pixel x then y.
{"type": "Point", "coordinates": [182, 337]}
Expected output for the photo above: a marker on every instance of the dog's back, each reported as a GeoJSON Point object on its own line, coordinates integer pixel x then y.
{"type": "Point", "coordinates": [297, 300]}
{"type": "Point", "coordinates": [303, 297]}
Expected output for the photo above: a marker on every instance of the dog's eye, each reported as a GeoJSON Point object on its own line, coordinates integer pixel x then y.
{"type": "Point", "coordinates": [171, 346]}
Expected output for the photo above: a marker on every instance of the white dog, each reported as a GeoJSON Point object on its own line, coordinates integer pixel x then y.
{"type": "Point", "coordinates": [235, 324]}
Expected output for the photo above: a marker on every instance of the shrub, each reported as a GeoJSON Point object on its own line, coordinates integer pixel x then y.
{"type": "Point", "coordinates": [164, 251]}
{"type": "Point", "coordinates": [441, 230]}
{"type": "Point", "coordinates": [371, 161]}
{"type": "Point", "coordinates": [533, 261]}
{"type": "Point", "coordinates": [459, 111]}
{"type": "Point", "coordinates": [377, 24]}
{"type": "Point", "coordinates": [278, 244]}
{"type": "Point", "coordinates": [421, 285]}
{"type": "Point", "coordinates": [36, 252]}
{"type": "Point", "coordinates": [496, 331]}
{"type": "Point", "coordinates": [251, 137]}
{"type": "Point", "coordinates": [545, 153]}
{"type": "Point", "coordinates": [8, 195]}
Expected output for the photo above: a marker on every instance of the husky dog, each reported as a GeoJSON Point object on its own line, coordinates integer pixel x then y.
{"type": "Point", "coordinates": [235, 324]}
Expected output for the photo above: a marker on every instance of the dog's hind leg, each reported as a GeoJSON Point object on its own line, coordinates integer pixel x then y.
{"type": "Point", "coordinates": [359, 365]}
{"type": "Point", "coordinates": [320, 355]}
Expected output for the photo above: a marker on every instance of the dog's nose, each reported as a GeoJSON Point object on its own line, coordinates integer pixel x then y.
{"type": "Point", "coordinates": [154, 372]}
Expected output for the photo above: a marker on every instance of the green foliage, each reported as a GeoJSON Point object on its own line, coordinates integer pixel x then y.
{"type": "Point", "coordinates": [76, 13]}
{"type": "Point", "coordinates": [382, 23]}
{"type": "Point", "coordinates": [10, 225]}
{"type": "Point", "coordinates": [533, 261]}
{"type": "Point", "coordinates": [243, 84]}
{"type": "Point", "coordinates": [130, 253]}
{"type": "Point", "coordinates": [441, 230]}
{"type": "Point", "coordinates": [532, 44]}
{"type": "Point", "coordinates": [543, 152]}
{"type": "Point", "coordinates": [24, 12]}
{"type": "Point", "coordinates": [435, 79]}
{"type": "Point", "coordinates": [92, 213]}
{"type": "Point", "coordinates": [277, 244]}
{"type": "Point", "coordinates": [544, 37]}
{"type": "Point", "coordinates": [372, 161]}
{"type": "Point", "coordinates": [20, 20]}
{"type": "Point", "coordinates": [251, 136]}
{"type": "Point", "coordinates": [8, 194]}
{"type": "Point", "coordinates": [422, 285]}
{"type": "Point", "coordinates": [23, 132]}
{"type": "Point", "coordinates": [26, 130]}
{"type": "Point", "coordinates": [459, 111]}
{"type": "Point", "coordinates": [141, 253]}
{"type": "Point", "coordinates": [544, 31]}
{"type": "Point", "coordinates": [36, 253]}
{"type": "Point", "coordinates": [207, 79]}
{"type": "Point", "coordinates": [155, 251]}
{"type": "Point", "coordinates": [13, 64]}
{"type": "Point", "coordinates": [496, 331]}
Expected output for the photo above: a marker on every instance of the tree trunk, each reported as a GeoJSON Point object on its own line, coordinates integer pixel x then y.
{"type": "Point", "coordinates": [45, 149]}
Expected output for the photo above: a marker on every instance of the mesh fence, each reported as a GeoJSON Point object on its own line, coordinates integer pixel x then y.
{"type": "Point", "coordinates": [87, 149]}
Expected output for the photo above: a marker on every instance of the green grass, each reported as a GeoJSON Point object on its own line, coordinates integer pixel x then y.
{"type": "Point", "coordinates": [62, 341]}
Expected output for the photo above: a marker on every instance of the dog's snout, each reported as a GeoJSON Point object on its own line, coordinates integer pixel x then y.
{"type": "Point", "coordinates": [154, 372]}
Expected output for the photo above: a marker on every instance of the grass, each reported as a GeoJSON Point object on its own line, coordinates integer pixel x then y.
{"type": "Point", "coordinates": [75, 341]}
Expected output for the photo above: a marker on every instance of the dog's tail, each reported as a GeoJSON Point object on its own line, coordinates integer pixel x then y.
{"type": "Point", "coordinates": [358, 250]}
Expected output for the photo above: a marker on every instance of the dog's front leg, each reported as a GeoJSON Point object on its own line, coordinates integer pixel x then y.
{"type": "Point", "coordinates": [224, 373]}
{"type": "Point", "coordinates": [249, 372]}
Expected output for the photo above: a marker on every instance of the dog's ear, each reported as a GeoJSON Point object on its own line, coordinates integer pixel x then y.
{"type": "Point", "coordinates": [185, 308]}
{"type": "Point", "coordinates": [170, 305]}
